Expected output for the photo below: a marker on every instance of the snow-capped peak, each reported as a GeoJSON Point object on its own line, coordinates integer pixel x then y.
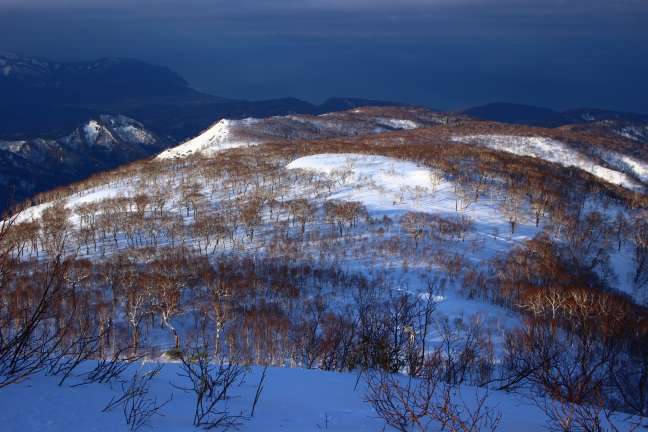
{"type": "Point", "coordinates": [91, 131]}
{"type": "Point", "coordinates": [12, 146]}
{"type": "Point", "coordinates": [220, 136]}
{"type": "Point", "coordinates": [108, 130]}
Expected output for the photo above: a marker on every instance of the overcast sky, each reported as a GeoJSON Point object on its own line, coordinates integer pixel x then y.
{"type": "Point", "coordinates": [441, 53]}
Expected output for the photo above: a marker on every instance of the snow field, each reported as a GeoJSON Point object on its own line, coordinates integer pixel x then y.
{"type": "Point", "coordinates": [294, 400]}
{"type": "Point", "coordinates": [392, 187]}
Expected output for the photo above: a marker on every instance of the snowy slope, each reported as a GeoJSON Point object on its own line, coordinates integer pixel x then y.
{"type": "Point", "coordinates": [628, 164]}
{"type": "Point", "coordinates": [12, 146]}
{"type": "Point", "coordinates": [36, 165]}
{"type": "Point", "coordinates": [91, 130]}
{"type": "Point", "coordinates": [109, 132]}
{"type": "Point", "coordinates": [386, 186]}
{"type": "Point", "coordinates": [552, 151]}
{"type": "Point", "coordinates": [296, 399]}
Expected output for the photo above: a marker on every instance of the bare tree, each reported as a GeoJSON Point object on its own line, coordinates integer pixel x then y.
{"type": "Point", "coordinates": [136, 401]}
{"type": "Point", "coordinates": [212, 383]}
{"type": "Point", "coordinates": [169, 277]}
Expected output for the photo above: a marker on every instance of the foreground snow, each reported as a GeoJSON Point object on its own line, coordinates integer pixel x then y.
{"type": "Point", "coordinates": [294, 400]}
{"type": "Point", "coordinates": [552, 151]}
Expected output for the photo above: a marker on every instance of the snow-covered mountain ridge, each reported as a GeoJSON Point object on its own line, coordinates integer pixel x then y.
{"type": "Point", "coordinates": [227, 134]}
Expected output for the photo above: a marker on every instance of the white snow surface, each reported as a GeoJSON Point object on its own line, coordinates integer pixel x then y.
{"type": "Point", "coordinates": [219, 137]}
{"type": "Point", "coordinates": [84, 197]}
{"type": "Point", "coordinates": [382, 171]}
{"type": "Point", "coordinates": [389, 186]}
{"type": "Point", "coordinates": [634, 133]}
{"type": "Point", "coordinates": [293, 400]}
{"type": "Point", "coordinates": [552, 151]}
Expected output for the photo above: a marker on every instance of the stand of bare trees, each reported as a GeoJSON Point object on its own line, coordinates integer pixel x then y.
{"type": "Point", "coordinates": [157, 262]}
{"type": "Point", "coordinates": [427, 402]}
{"type": "Point", "coordinates": [30, 331]}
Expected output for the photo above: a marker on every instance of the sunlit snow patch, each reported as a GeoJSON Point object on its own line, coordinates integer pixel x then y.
{"type": "Point", "coordinates": [398, 124]}
{"type": "Point", "coordinates": [386, 185]}
{"type": "Point", "coordinates": [380, 183]}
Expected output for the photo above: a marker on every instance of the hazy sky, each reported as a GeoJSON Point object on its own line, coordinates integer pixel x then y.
{"type": "Point", "coordinates": [441, 53]}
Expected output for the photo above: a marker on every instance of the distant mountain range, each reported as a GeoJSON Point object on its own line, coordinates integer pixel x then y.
{"type": "Point", "coordinates": [47, 99]}
{"type": "Point", "coordinates": [38, 164]}
{"type": "Point", "coordinates": [631, 126]}
{"type": "Point", "coordinates": [41, 98]}
{"type": "Point", "coordinates": [545, 117]}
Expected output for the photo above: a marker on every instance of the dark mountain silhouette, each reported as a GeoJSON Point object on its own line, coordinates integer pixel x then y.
{"type": "Point", "coordinates": [41, 98]}
{"type": "Point", "coordinates": [545, 117]}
